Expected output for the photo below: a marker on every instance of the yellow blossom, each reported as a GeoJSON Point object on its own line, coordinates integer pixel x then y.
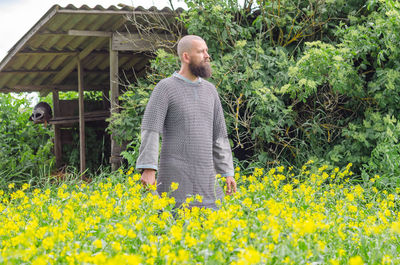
{"type": "Point", "coordinates": [174, 186]}
{"type": "Point", "coordinates": [97, 243]}
{"type": "Point", "coordinates": [356, 260]}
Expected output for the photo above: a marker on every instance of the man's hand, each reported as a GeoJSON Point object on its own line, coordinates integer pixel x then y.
{"type": "Point", "coordinates": [230, 185]}
{"type": "Point", "coordinates": [148, 177]}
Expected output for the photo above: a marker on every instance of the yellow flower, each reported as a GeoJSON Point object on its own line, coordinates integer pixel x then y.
{"type": "Point", "coordinates": [116, 246]}
{"type": "Point", "coordinates": [174, 186]}
{"type": "Point", "coordinates": [350, 197]}
{"type": "Point", "coordinates": [132, 259]}
{"type": "Point", "coordinates": [386, 260]}
{"type": "Point", "coordinates": [190, 241]}
{"type": "Point", "coordinates": [183, 256]}
{"type": "Point", "coordinates": [396, 227]}
{"type": "Point", "coordinates": [304, 227]}
{"type": "Point", "coordinates": [249, 256]}
{"type": "Point", "coordinates": [356, 260]}
{"type": "Point", "coordinates": [334, 262]}
{"type": "Point", "coordinates": [176, 232]}
{"type": "Point", "coordinates": [11, 185]}
{"type": "Point", "coordinates": [48, 243]}
{"type": "Point", "coordinates": [342, 252]}
{"type": "Point", "coordinates": [153, 187]}
{"type": "Point", "coordinates": [199, 198]}
{"type": "Point", "coordinates": [97, 244]}
{"type": "Point", "coordinates": [41, 260]}
{"type": "Point", "coordinates": [287, 260]}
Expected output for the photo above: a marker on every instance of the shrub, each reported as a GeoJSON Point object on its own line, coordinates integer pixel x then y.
{"type": "Point", "coordinates": [25, 148]}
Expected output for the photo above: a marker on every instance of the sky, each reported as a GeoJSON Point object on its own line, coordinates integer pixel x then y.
{"type": "Point", "coordinates": [17, 17]}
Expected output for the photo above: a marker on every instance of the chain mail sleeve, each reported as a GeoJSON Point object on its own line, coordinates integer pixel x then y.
{"type": "Point", "coordinates": [148, 152]}
{"type": "Point", "coordinates": [222, 154]}
{"type": "Point", "coordinates": [223, 161]}
{"type": "Point", "coordinates": [152, 127]}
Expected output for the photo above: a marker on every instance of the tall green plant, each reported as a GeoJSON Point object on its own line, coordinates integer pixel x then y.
{"type": "Point", "coordinates": [292, 75]}
{"type": "Point", "coordinates": [25, 148]}
{"type": "Point", "coordinates": [362, 74]}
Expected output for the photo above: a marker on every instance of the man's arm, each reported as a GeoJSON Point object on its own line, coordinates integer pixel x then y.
{"type": "Point", "coordinates": [223, 163]}
{"type": "Point", "coordinates": [222, 153]}
{"type": "Point", "coordinates": [148, 156]}
{"type": "Point", "coordinates": [148, 177]}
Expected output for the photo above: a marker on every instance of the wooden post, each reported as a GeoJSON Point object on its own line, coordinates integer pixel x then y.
{"type": "Point", "coordinates": [57, 131]}
{"type": "Point", "coordinates": [114, 94]}
{"type": "Point", "coordinates": [81, 118]}
{"type": "Point", "coordinates": [106, 102]}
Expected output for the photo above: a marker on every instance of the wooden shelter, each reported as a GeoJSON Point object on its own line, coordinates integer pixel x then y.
{"type": "Point", "coordinates": [81, 49]}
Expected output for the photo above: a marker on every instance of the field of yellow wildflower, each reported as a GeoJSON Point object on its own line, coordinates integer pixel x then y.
{"type": "Point", "coordinates": [315, 216]}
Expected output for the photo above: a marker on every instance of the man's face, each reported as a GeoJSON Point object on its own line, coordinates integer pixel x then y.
{"type": "Point", "coordinates": [199, 63]}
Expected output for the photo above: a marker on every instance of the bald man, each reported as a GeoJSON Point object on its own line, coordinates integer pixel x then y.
{"type": "Point", "coordinates": [186, 110]}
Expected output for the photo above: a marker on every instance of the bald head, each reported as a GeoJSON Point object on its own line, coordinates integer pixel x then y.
{"type": "Point", "coordinates": [185, 44]}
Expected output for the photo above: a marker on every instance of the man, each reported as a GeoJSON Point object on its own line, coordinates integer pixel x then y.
{"type": "Point", "coordinates": [186, 110]}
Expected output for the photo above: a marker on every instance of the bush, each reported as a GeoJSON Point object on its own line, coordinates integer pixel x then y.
{"type": "Point", "coordinates": [296, 79]}
{"type": "Point", "coordinates": [25, 148]}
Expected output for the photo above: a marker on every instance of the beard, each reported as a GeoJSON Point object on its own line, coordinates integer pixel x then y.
{"type": "Point", "coordinates": [200, 70]}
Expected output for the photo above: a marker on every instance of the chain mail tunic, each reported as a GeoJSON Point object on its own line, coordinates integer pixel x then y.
{"type": "Point", "coordinates": [190, 118]}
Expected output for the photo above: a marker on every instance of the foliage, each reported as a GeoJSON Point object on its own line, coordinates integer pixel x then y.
{"type": "Point", "coordinates": [255, 115]}
{"type": "Point", "coordinates": [297, 79]}
{"type": "Point", "coordinates": [323, 65]}
{"type": "Point", "coordinates": [97, 147]}
{"type": "Point", "coordinates": [25, 148]}
{"type": "Point", "coordinates": [378, 136]}
{"type": "Point", "coordinates": [277, 216]}
{"type": "Point", "coordinates": [362, 72]}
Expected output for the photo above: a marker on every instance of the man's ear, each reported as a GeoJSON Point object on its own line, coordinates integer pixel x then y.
{"type": "Point", "coordinates": [185, 57]}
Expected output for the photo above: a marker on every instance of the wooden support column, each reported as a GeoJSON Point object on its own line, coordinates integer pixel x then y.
{"type": "Point", "coordinates": [81, 118]}
{"type": "Point", "coordinates": [114, 94]}
{"type": "Point", "coordinates": [57, 131]}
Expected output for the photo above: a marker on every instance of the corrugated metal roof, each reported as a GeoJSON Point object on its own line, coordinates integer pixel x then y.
{"type": "Point", "coordinates": [44, 58]}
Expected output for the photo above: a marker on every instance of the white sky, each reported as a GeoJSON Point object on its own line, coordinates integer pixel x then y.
{"type": "Point", "coordinates": [17, 17]}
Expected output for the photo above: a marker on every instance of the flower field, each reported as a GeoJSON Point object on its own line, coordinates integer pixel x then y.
{"type": "Point", "coordinates": [316, 216]}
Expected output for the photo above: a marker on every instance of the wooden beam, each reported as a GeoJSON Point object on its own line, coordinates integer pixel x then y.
{"type": "Point", "coordinates": [52, 33]}
{"type": "Point", "coordinates": [66, 53]}
{"type": "Point", "coordinates": [57, 131]}
{"type": "Point", "coordinates": [29, 72]}
{"type": "Point", "coordinates": [105, 72]}
{"type": "Point", "coordinates": [48, 72]}
{"type": "Point", "coordinates": [89, 33]}
{"type": "Point", "coordinates": [89, 116]}
{"type": "Point", "coordinates": [106, 103]}
{"type": "Point", "coordinates": [136, 42]}
{"type": "Point", "coordinates": [38, 88]}
{"type": "Point", "coordinates": [114, 94]}
{"type": "Point", "coordinates": [47, 53]}
{"type": "Point", "coordinates": [71, 65]}
{"type": "Point", "coordinates": [82, 147]}
{"type": "Point", "coordinates": [56, 104]}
